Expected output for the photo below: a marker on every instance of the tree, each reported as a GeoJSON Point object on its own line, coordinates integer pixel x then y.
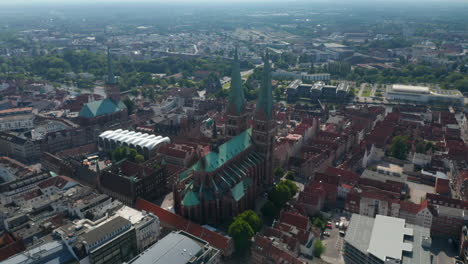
{"type": "Point", "coordinates": [269, 210]}
{"type": "Point", "coordinates": [291, 186]}
{"type": "Point", "coordinates": [241, 232]}
{"type": "Point", "coordinates": [278, 172]}
{"type": "Point", "coordinates": [139, 158]}
{"type": "Point", "coordinates": [129, 104]}
{"type": "Point", "coordinates": [399, 148]}
{"type": "Point", "coordinates": [280, 195]}
{"type": "Point", "coordinates": [319, 223]}
{"type": "Point", "coordinates": [290, 175]}
{"type": "Point", "coordinates": [252, 219]}
{"type": "Point", "coordinates": [319, 248]}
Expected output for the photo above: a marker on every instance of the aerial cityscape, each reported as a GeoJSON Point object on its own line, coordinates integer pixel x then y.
{"type": "Point", "coordinates": [210, 132]}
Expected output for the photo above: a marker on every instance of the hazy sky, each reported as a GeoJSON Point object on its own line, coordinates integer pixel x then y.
{"type": "Point", "coordinates": [13, 2]}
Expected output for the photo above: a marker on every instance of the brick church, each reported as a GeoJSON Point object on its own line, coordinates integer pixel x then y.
{"type": "Point", "coordinates": [227, 180]}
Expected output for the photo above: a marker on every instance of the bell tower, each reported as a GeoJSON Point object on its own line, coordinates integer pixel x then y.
{"type": "Point", "coordinates": [264, 127]}
{"type": "Point", "coordinates": [112, 88]}
{"type": "Point", "coordinates": [236, 116]}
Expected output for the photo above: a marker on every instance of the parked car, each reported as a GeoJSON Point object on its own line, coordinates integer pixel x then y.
{"type": "Point", "coordinates": [326, 234]}
{"type": "Point", "coordinates": [329, 226]}
{"type": "Point", "coordinates": [337, 224]}
{"type": "Point", "coordinates": [342, 233]}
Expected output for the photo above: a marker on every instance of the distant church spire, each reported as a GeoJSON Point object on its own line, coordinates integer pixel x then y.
{"type": "Point", "coordinates": [265, 96]}
{"type": "Point", "coordinates": [110, 69]}
{"type": "Point", "coordinates": [236, 96]}
{"type": "Point", "coordinates": [112, 89]}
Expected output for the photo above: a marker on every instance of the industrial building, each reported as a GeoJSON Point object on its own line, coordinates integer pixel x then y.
{"type": "Point", "coordinates": [423, 95]}
{"type": "Point", "coordinates": [386, 240]}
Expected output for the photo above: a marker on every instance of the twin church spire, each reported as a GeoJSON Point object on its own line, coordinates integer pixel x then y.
{"type": "Point", "coordinates": [236, 95]}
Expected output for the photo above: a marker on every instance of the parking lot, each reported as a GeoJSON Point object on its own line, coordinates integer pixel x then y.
{"type": "Point", "coordinates": [334, 245]}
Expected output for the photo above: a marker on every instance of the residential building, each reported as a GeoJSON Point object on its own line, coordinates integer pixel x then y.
{"type": "Point", "coordinates": [16, 118]}
{"type": "Point", "coordinates": [416, 214]}
{"type": "Point", "coordinates": [270, 251]}
{"type": "Point", "coordinates": [49, 252]}
{"type": "Point", "coordinates": [127, 180]}
{"type": "Point", "coordinates": [113, 241]}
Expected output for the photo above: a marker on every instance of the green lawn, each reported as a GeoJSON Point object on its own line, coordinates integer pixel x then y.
{"type": "Point", "coordinates": [366, 93]}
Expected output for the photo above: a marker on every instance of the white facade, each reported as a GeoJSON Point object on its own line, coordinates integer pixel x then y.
{"type": "Point", "coordinates": [147, 226]}
{"type": "Point", "coordinates": [301, 75]}
{"type": "Point", "coordinates": [424, 95]}
{"type": "Point", "coordinates": [422, 218]}
{"type": "Point", "coordinates": [143, 143]}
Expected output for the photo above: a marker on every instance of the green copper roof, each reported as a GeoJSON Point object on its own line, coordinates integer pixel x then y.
{"type": "Point", "coordinates": [190, 199]}
{"type": "Point", "coordinates": [101, 107]}
{"type": "Point", "coordinates": [238, 191]}
{"type": "Point", "coordinates": [265, 97]}
{"type": "Point", "coordinates": [226, 151]}
{"type": "Point", "coordinates": [236, 95]}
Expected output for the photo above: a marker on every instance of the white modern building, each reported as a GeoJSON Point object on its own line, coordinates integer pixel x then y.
{"type": "Point", "coordinates": [282, 74]}
{"type": "Point", "coordinates": [386, 240]}
{"type": "Point", "coordinates": [423, 95]}
{"type": "Point", "coordinates": [143, 143]}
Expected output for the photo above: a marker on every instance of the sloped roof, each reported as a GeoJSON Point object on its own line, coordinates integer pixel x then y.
{"type": "Point", "coordinates": [265, 97]}
{"type": "Point", "coordinates": [215, 239]}
{"type": "Point", "coordinates": [238, 191]}
{"type": "Point", "coordinates": [190, 199]}
{"type": "Point", "coordinates": [101, 107]}
{"type": "Point", "coordinates": [227, 151]}
{"type": "Point", "coordinates": [236, 95]}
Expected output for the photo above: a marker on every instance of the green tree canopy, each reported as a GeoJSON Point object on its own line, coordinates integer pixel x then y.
{"type": "Point", "coordinates": [319, 248]}
{"type": "Point", "coordinates": [241, 232]}
{"type": "Point", "coordinates": [269, 210]}
{"type": "Point", "coordinates": [252, 219]}
{"type": "Point", "coordinates": [129, 104]}
{"type": "Point", "coordinates": [278, 172]}
{"type": "Point", "coordinates": [399, 147]}
{"type": "Point", "coordinates": [280, 195]}
{"type": "Point", "coordinates": [139, 158]}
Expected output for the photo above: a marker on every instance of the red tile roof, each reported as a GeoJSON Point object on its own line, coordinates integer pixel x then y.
{"type": "Point", "coordinates": [10, 246]}
{"type": "Point", "coordinates": [435, 199]}
{"type": "Point", "coordinates": [178, 222]}
{"type": "Point", "coordinates": [345, 176]}
{"type": "Point", "coordinates": [295, 219]}
{"type": "Point", "coordinates": [264, 247]}
{"type": "Point", "coordinates": [442, 186]}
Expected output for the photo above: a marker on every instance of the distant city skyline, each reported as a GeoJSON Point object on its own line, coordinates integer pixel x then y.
{"type": "Point", "coordinates": [10, 2]}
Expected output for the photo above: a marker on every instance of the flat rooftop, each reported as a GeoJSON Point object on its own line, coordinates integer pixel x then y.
{"type": "Point", "coordinates": [410, 89]}
{"type": "Point", "coordinates": [175, 248]}
{"type": "Point", "coordinates": [387, 237]}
